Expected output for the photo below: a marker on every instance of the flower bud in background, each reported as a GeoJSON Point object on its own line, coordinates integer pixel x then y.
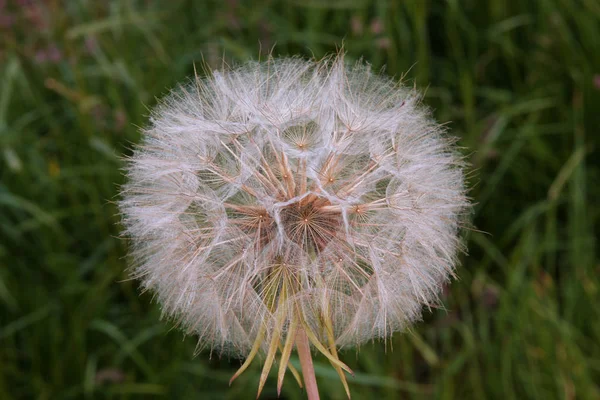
{"type": "Point", "coordinates": [293, 202]}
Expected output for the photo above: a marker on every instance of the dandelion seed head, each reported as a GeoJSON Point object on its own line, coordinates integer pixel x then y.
{"type": "Point", "coordinates": [293, 192]}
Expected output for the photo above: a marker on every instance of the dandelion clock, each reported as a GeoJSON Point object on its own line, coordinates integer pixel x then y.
{"type": "Point", "coordinates": [293, 206]}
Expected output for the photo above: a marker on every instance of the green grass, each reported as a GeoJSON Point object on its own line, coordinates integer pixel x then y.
{"type": "Point", "coordinates": [517, 81]}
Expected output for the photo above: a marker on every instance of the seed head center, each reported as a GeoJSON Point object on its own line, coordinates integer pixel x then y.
{"type": "Point", "coordinates": [310, 224]}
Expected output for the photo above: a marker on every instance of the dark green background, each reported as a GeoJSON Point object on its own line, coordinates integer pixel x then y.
{"type": "Point", "coordinates": [517, 81]}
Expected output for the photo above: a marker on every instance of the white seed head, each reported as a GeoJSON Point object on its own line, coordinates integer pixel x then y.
{"type": "Point", "coordinates": [293, 193]}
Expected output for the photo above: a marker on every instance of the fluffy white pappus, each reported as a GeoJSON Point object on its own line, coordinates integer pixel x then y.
{"type": "Point", "coordinates": [293, 193]}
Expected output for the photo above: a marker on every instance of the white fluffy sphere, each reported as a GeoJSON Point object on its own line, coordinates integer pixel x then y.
{"type": "Point", "coordinates": [293, 193]}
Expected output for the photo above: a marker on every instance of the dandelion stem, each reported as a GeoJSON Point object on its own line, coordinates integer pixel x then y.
{"type": "Point", "coordinates": [308, 369]}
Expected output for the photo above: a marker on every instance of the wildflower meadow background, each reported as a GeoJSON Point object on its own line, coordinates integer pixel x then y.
{"type": "Point", "coordinates": [517, 81]}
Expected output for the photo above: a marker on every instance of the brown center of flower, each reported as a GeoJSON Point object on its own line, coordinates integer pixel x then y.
{"type": "Point", "coordinates": [310, 224]}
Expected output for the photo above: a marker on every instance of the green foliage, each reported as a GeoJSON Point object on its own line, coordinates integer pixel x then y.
{"type": "Point", "coordinates": [517, 81]}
